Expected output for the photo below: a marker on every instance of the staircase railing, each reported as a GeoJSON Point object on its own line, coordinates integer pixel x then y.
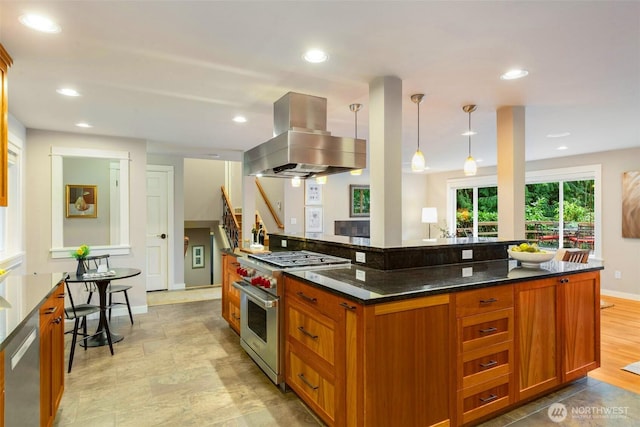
{"type": "Point", "coordinates": [229, 221]}
{"type": "Point", "coordinates": [274, 215]}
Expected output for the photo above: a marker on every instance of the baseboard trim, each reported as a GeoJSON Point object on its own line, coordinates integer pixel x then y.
{"type": "Point", "coordinates": [618, 294]}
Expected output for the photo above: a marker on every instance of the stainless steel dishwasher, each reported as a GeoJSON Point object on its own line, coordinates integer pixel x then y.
{"type": "Point", "coordinates": [22, 375]}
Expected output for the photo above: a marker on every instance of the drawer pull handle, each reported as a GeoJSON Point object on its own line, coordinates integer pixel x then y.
{"type": "Point", "coordinates": [235, 317]}
{"type": "Point", "coordinates": [57, 320]}
{"type": "Point", "coordinates": [306, 381]}
{"type": "Point", "coordinates": [565, 280]}
{"type": "Point", "coordinates": [488, 301]}
{"type": "Point", "coordinates": [310, 299]}
{"type": "Point", "coordinates": [61, 296]}
{"type": "Point", "coordinates": [488, 330]}
{"type": "Point", "coordinates": [347, 306]}
{"type": "Point", "coordinates": [307, 333]}
{"type": "Point", "coordinates": [491, 398]}
{"type": "Point", "coordinates": [489, 364]}
{"type": "Point", "coordinates": [50, 310]}
{"type": "Point", "coordinates": [235, 264]}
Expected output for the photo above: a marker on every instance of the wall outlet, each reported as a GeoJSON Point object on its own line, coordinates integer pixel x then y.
{"type": "Point", "coordinates": [617, 274]}
{"type": "Point", "coordinates": [467, 272]}
{"type": "Point", "coordinates": [360, 257]}
{"type": "Point", "coordinates": [294, 221]}
{"type": "Point", "coordinates": [283, 243]}
{"type": "Point", "coordinates": [467, 254]}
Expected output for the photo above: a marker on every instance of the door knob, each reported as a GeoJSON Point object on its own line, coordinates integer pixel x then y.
{"type": "Point", "coordinates": [162, 236]}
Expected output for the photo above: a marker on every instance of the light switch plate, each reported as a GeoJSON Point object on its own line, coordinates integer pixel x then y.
{"type": "Point", "coordinates": [360, 257]}
{"type": "Point", "coordinates": [467, 254]}
{"type": "Point", "coordinates": [283, 243]}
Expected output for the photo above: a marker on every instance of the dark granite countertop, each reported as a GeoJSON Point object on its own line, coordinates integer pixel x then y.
{"type": "Point", "coordinates": [372, 286]}
{"type": "Point", "coordinates": [21, 296]}
{"type": "Point", "coordinates": [364, 242]}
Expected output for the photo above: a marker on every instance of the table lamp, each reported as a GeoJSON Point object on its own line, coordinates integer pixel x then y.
{"type": "Point", "coordinates": [429, 216]}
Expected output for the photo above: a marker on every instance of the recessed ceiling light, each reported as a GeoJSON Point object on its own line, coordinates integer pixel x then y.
{"type": "Point", "coordinates": [315, 56]}
{"type": "Point", "coordinates": [562, 147]}
{"type": "Point", "coordinates": [67, 91]}
{"type": "Point", "coordinates": [558, 135]}
{"type": "Point", "coordinates": [83, 125]}
{"type": "Point", "coordinates": [240, 119]}
{"type": "Point", "coordinates": [39, 23]}
{"type": "Point", "coordinates": [468, 133]}
{"type": "Point", "coordinates": [514, 74]}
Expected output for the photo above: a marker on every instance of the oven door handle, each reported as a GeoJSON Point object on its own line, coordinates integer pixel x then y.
{"type": "Point", "coordinates": [257, 296]}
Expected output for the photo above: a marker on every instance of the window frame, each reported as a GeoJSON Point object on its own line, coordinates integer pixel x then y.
{"type": "Point", "coordinates": [560, 175]}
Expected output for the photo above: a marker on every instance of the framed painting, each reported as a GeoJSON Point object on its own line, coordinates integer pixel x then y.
{"type": "Point", "coordinates": [313, 219]}
{"type": "Point", "coordinates": [82, 201]}
{"type": "Point", "coordinates": [631, 204]}
{"type": "Point", "coordinates": [313, 192]}
{"type": "Point", "coordinates": [197, 256]}
{"type": "Point", "coordinates": [359, 201]}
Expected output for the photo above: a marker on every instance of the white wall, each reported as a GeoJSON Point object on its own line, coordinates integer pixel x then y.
{"type": "Point", "coordinates": [38, 204]}
{"type": "Point", "coordinates": [619, 254]}
{"type": "Point", "coordinates": [202, 195]}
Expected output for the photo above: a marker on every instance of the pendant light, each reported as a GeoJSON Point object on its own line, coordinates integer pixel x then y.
{"type": "Point", "coordinates": [417, 161]}
{"type": "Point", "coordinates": [470, 167]}
{"type": "Point", "coordinates": [355, 108]}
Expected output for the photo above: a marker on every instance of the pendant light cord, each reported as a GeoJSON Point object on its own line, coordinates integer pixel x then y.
{"type": "Point", "coordinates": [469, 133]}
{"type": "Point", "coordinates": [418, 126]}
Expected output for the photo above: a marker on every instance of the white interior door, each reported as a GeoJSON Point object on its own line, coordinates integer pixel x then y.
{"type": "Point", "coordinates": [159, 180]}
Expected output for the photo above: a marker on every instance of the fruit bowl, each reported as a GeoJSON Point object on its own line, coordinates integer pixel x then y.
{"type": "Point", "coordinates": [531, 259]}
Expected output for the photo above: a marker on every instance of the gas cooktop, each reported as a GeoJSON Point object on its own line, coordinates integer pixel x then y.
{"type": "Point", "coordinates": [298, 259]}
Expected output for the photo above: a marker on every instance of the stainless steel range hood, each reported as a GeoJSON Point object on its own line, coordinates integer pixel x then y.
{"type": "Point", "coordinates": [301, 145]}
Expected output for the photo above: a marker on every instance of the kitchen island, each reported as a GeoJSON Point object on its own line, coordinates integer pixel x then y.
{"type": "Point", "coordinates": [443, 345]}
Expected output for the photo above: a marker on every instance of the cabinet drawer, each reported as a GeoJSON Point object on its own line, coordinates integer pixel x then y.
{"type": "Point", "coordinates": [234, 293]}
{"type": "Point", "coordinates": [486, 329]}
{"type": "Point", "coordinates": [483, 399]}
{"type": "Point", "coordinates": [486, 363]}
{"type": "Point", "coordinates": [315, 298]}
{"type": "Point", "coordinates": [483, 300]}
{"type": "Point", "coordinates": [314, 332]}
{"type": "Point", "coordinates": [234, 316]}
{"type": "Point", "coordinates": [315, 389]}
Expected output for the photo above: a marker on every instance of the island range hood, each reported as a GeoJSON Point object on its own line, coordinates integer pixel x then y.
{"type": "Point", "coordinates": [301, 146]}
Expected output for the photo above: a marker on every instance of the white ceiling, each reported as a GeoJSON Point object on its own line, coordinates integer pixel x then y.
{"type": "Point", "coordinates": [176, 72]}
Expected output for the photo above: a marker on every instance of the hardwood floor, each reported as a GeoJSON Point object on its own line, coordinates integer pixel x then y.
{"type": "Point", "coordinates": [620, 343]}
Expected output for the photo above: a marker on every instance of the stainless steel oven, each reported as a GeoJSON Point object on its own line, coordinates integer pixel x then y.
{"type": "Point", "coordinates": [259, 327]}
{"type": "Point", "coordinates": [261, 296]}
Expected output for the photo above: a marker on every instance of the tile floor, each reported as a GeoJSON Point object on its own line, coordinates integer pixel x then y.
{"type": "Point", "coordinates": [181, 365]}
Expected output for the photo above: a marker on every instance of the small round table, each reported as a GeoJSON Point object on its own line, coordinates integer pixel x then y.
{"type": "Point", "coordinates": [103, 334]}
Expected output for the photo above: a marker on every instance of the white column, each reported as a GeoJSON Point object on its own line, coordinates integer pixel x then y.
{"type": "Point", "coordinates": [385, 157]}
{"type": "Point", "coordinates": [511, 172]}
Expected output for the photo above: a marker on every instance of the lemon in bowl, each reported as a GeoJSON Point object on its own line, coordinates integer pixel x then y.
{"type": "Point", "coordinates": [530, 256]}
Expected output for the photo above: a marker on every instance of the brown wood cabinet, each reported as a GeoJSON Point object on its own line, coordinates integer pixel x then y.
{"type": "Point", "coordinates": [485, 333]}
{"type": "Point", "coordinates": [537, 337]}
{"type": "Point", "coordinates": [315, 349]}
{"type": "Point", "coordinates": [579, 301]}
{"type": "Point", "coordinates": [51, 355]}
{"type": "Point", "coordinates": [5, 63]}
{"type": "Point", "coordinates": [378, 365]}
{"type": "Point", "coordinates": [230, 295]}
{"type": "Point", "coordinates": [449, 359]}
